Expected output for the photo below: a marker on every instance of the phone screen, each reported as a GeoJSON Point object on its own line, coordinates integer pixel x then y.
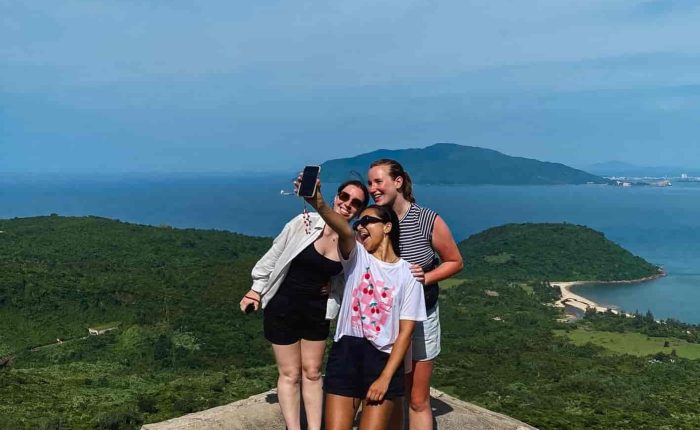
{"type": "Point", "coordinates": [308, 181]}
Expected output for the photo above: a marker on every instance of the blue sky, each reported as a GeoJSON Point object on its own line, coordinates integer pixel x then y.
{"type": "Point", "coordinates": [228, 86]}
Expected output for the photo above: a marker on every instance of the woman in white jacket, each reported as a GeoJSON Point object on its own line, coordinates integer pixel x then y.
{"type": "Point", "coordinates": [289, 284]}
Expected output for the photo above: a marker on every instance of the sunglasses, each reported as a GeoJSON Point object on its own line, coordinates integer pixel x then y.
{"type": "Point", "coordinates": [365, 220]}
{"type": "Point", "coordinates": [344, 197]}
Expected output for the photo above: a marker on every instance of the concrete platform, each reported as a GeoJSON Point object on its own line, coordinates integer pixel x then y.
{"type": "Point", "coordinates": [262, 412]}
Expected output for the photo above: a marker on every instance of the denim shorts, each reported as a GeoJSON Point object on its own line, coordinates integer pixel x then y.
{"type": "Point", "coordinates": [426, 337]}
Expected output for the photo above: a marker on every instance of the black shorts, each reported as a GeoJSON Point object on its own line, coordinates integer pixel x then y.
{"type": "Point", "coordinates": [354, 364]}
{"type": "Point", "coordinates": [288, 319]}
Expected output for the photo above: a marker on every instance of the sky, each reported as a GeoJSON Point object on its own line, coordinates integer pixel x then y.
{"type": "Point", "coordinates": [94, 86]}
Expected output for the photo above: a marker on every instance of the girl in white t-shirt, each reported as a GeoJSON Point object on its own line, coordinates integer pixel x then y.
{"type": "Point", "coordinates": [381, 303]}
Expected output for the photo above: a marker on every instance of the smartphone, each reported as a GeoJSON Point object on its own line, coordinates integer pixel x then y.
{"type": "Point", "coordinates": [307, 187]}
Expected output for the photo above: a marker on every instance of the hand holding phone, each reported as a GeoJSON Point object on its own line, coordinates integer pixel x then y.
{"type": "Point", "coordinates": [307, 183]}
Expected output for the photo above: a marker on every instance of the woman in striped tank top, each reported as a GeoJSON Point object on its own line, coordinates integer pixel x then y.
{"type": "Point", "coordinates": [426, 243]}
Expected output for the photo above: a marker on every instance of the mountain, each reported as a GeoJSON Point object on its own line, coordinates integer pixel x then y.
{"type": "Point", "coordinates": [449, 163]}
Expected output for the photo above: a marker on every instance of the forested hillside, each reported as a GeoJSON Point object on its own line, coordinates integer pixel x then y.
{"type": "Point", "coordinates": [181, 344]}
{"type": "Point", "coordinates": [555, 252]}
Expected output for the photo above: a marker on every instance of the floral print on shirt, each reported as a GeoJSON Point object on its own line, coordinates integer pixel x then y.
{"type": "Point", "coordinates": [372, 301]}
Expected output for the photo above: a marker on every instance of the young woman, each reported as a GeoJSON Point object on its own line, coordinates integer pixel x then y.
{"type": "Point", "coordinates": [381, 303]}
{"type": "Point", "coordinates": [424, 238]}
{"type": "Point", "coordinates": [290, 284]}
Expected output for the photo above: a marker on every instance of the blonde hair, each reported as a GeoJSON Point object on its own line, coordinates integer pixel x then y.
{"type": "Point", "coordinates": [395, 170]}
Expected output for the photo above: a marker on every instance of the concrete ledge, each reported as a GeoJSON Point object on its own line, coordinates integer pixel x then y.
{"type": "Point", "coordinates": [262, 412]}
{"type": "Point", "coordinates": [452, 414]}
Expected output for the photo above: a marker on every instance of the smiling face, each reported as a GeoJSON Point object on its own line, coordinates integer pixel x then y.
{"type": "Point", "coordinates": [371, 234]}
{"type": "Point", "coordinates": [348, 201]}
{"type": "Point", "coordinates": [382, 187]}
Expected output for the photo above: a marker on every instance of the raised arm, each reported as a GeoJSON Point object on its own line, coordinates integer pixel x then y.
{"type": "Point", "coordinates": [346, 236]}
{"type": "Point", "coordinates": [445, 246]}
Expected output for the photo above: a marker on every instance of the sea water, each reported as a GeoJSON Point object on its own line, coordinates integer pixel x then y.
{"type": "Point", "coordinates": [661, 225]}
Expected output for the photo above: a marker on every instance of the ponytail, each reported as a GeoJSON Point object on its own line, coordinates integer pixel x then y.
{"type": "Point", "coordinates": [396, 170]}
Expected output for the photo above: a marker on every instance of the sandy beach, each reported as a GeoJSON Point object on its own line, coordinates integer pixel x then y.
{"type": "Point", "coordinates": [569, 298]}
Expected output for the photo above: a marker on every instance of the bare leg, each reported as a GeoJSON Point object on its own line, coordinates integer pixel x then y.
{"type": "Point", "coordinates": [340, 411]}
{"type": "Point", "coordinates": [375, 416]}
{"type": "Point", "coordinates": [311, 383]}
{"type": "Point", "coordinates": [288, 359]}
{"type": "Point", "coordinates": [420, 414]}
{"type": "Point", "coordinates": [396, 421]}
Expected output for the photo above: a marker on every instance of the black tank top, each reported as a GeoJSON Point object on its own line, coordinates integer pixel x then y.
{"type": "Point", "coordinates": [308, 272]}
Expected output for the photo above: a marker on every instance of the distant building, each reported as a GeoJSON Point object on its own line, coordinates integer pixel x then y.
{"type": "Point", "coordinates": [101, 331]}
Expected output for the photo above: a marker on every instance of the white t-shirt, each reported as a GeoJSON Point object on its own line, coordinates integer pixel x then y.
{"type": "Point", "coordinates": [377, 295]}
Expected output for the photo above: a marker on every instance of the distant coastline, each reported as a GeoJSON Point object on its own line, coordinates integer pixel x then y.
{"type": "Point", "coordinates": [569, 298]}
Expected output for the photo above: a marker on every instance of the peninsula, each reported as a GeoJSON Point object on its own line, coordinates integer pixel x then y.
{"type": "Point", "coordinates": [549, 252]}
{"type": "Point", "coordinates": [562, 255]}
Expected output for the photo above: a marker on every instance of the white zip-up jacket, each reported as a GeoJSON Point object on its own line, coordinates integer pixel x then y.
{"type": "Point", "coordinates": [272, 268]}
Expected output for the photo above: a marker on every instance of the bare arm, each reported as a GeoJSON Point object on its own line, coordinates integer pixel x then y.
{"type": "Point", "coordinates": [445, 246]}
{"type": "Point", "coordinates": [346, 237]}
{"type": "Point", "coordinates": [379, 387]}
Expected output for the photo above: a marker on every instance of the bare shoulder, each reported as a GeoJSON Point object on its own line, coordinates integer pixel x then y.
{"type": "Point", "coordinates": [443, 242]}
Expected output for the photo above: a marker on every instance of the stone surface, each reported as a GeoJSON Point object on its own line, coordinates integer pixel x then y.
{"type": "Point", "coordinates": [256, 412]}
{"type": "Point", "coordinates": [452, 414]}
{"type": "Point", "coordinates": [262, 412]}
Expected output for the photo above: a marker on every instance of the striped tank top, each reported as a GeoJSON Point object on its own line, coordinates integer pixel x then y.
{"type": "Point", "coordinates": [415, 243]}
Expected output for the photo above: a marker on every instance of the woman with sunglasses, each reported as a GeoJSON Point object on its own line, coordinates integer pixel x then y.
{"type": "Point", "coordinates": [381, 303]}
{"type": "Point", "coordinates": [427, 243]}
{"type": "Point", "coordinates": [290, 283]}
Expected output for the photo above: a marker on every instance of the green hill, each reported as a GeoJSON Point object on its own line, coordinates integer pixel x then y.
{"type": "Point", "coordinates": [448, 164]}
{"type": "Point", "coordinates": [81, 272]}
{"type": "Point", "coordinates": [182, 345]}
{"type": "Point", "coordinates": [555, 252]}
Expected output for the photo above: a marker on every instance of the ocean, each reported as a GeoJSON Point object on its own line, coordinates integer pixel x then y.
{"type": "Point", "coordinates": [661, 225]}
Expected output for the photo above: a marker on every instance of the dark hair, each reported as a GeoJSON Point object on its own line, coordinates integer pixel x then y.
{"type": "Point", "coordinates": [396, 170]}
{"type": "Point", "coordinates": [360, 185]}
{"type": "Point", "coordinates": [387, 214]}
